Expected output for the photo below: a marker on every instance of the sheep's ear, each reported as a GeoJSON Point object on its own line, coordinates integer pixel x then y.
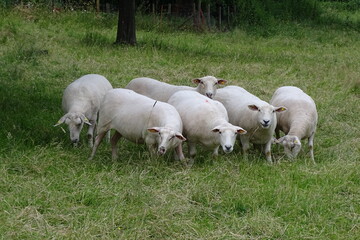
{"type": "Point", "coordinates": [280, 109]}
{"type": "Point", "coordinates": [180, 136]}
{"type": "Point", "coordinates": [85, 120]}
{"type": "Point", "coordinates": [153, 130]}
{"type": "Point", "coordinates": [241, 131]}
{"type": "Point", "coordinates": [61, 121]}
{"type": "Point", "coordinates": [221, 81]}
{"type": "Point", "coordinates": [215, 130]}
{"type": "Point", "coordinates": [253, 107]}
{"type": "Point", "coordinates": [197, 81]}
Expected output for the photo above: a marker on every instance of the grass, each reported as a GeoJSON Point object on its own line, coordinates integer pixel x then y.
{"type": "Point", "coordinates": [50, 190]}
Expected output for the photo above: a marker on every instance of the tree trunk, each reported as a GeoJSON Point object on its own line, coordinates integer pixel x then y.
{"type": "Point", "coordinates": [126, 25]}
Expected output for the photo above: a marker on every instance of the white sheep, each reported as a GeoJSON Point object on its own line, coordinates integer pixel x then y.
{"type": "Point", "coordinates": [205, 121]}
{"type": "Point", "coordinates": [162, 91]}
{"type": "Point", "coordinates": [299, 121]}
{"type": "Point", "coordinates": [256, 116]}
{"type": "Point", "coordinates": [81, 102]}
{"type": "Point", "coordinates": [139, 119]}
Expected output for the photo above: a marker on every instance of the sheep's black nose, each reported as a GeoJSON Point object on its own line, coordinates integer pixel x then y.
{"type": "Point", "coordinates": [209, 95]}
{"type": "Point", "coordinates": [266, 122]}
{"type": "Point", "coordinates": [228, 147]}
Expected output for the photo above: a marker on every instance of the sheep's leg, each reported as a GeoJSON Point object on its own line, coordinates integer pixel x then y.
{"type": "Point", "coordinates": [216, 151]}
{"type": "Point", "coordinates": [311, 146]}
{"type": "Point", "coordinates": [267, 149]}
{"type": "Point", "coordinates": [98, 140]}
{"type": "Point", "coordinates": [114, 140]}
{"type": "Point", "coordinates": [108, 136]}
{"type": "Point", "coordinates": [192, 152]}
{"type": "Point", "coordinates": [277, 133]}
{"type": "Point", "coordinates": [152, 149]}
{"type": "Point", "coordinates": [245, 145]}
{"type": "Point", "coordinates": [179, 155]}
{"type": "Point", "coordinates": [90, 133]}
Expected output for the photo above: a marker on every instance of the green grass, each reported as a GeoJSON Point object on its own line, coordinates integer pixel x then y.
{"type": "Point", "coordinates": [49, 190]}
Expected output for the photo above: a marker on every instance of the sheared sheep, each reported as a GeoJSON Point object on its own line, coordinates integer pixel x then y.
{"type": "Point", "coordinates": [139, 119]}
{"type": "Point", "coordinates": [162, 91]}
{"type": "Point", "coordinates": [205, 121]}
{"type": "Point", "coordinates": [299, 121]}
{"type": "Point", "coordinates": [256, 116]}
{"type": "Point", "coordinates": [81, 102]}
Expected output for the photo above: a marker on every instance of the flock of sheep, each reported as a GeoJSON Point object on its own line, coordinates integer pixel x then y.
{"type": "Point", "coordinates": [163, 116]}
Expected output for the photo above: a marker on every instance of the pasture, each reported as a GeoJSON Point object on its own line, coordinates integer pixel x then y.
{"type": "Point", "coordinates": [50, 190]}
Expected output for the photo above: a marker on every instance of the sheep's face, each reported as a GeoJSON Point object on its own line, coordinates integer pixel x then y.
{"type": "Point", "coordinates": [292, 145]}
{"type": "Point", "coordinates": [227, 136]}
{"type": "Point", "coordinates": [207, 85]}
{"type": "Point", "coordinates": [266, 116]}
{"type": "Point", "coordinates": [75, 122]}
{"type": "Point", "coordinates": [166, 138]}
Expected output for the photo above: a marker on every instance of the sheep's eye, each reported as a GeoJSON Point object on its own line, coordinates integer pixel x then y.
{"type": "Point", "coordinates": [219, 132]}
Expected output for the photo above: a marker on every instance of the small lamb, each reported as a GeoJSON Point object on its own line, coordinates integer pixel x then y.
{"type": "Point", "coordinates": [256, 116]}
{"type": "Point", "coordinates": [299, 122]}
{"type": "Point", "coordinates": [139, 119]}
{"type": "Point", "coordinates": [162, 91]}
{"type": "Point", "coordinates": [205, 121]}
{"type": "Point", "coordinates": [81, 102]}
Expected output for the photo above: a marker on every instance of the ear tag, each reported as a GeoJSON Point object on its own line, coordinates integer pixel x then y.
{"type": "Point", "coordinates": [296, 142]}
{"type": "Point", "coordinates": [63, 129]}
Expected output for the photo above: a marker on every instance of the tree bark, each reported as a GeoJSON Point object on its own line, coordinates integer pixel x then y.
{"type": "Point", "coordinates": [126, 25]}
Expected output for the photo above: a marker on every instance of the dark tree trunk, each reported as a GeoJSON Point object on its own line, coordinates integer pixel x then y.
{"type": "Point", "coordinates": [126, 25]}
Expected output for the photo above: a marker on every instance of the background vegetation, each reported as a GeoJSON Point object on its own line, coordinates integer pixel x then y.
{"type": "Point", "coordinates": [50, 190]}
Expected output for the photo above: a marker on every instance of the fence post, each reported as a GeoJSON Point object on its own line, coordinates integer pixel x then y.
{"type": "Point", "coordinates": [169, 10]}
{"type": "Point", "coordinates": [220, 18]}
{"type": "Point", "coordinates": [97, 6]}
{"type": "Point", "coordinates": [208, 16]}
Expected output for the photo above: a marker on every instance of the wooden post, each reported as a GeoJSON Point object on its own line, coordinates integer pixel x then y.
{"type": "Point", "coordinates": [199, 13]}
{"type": "Point", "coordinates": [194, 14]}
{"type": "Point", "coordinates": [97, 6]}
{"type": "Point", "coordinates": [208, 16]}
{"type": "Point", "coordinates": [153, 9]}
{"type": "Point", "coordinates": [169, 11]}
{"type": "Point", "coordinates": [228, 16]}
{"type": "Point", "coordinates": [220, 18]}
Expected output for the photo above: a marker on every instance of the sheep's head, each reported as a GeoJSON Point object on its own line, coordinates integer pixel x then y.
{"type": "Point", "coordinates": [292, 145]}
{"type": "Point", "coordinates": [166, 138]}
{"type": "Point", "coordinates": [207, 85]}
{"type": "Point", "coordinates": [75, 122]}
{"type": "Point", "coordinates": [266, 114]}
{"type": "Point", "coordinates": [227, 136]}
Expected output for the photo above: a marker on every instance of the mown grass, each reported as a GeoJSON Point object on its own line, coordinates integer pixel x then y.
{"type": "Point", "coordinates": [51, 190]}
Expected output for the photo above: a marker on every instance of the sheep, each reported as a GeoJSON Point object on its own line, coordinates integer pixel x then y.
{"type": "Point", "coordinates": [205, 121]}
{"type": "Point", "coordinates": [298, 123]}
{"type": "Point", "coordinates": [256, 116]}
{"type": "Point", "coordinates": [162, 91]}
{"type": "Point", "coordinates": [139, 119]}
{"type": "Point", "coordinates": [81, 102]}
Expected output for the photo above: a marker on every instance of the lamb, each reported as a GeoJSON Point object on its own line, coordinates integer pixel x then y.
{"type": "Point", "coordinates": [162, 91]}
{"type": "Point", "coordinates": [205, 121]}
{"type": "Point", "coordinates": [298, 123]}
{"type": "Point", "coordinates": [256, 116]}
{"type": "Point", "coordinates": [81, 102]}
{"type": "Point", "coordinates": [139, 119]}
